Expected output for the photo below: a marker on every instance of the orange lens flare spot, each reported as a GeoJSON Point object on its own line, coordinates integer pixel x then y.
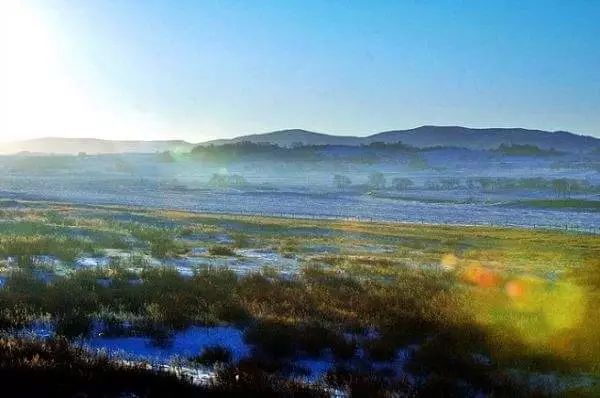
{"type": "Point", "coordinates": [481, 276]}
{"type": "Point", "coordinates": [515, 289]}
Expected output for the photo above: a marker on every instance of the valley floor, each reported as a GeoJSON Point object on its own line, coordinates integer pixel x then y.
{"type": "Point", "coordinates": [581, 215]}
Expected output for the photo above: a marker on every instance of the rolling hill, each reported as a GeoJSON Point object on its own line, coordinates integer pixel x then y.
{"type": "Point", "coordinates": [420, 137]}
{"type": "Point", "coordinates": [91, 146]}
{"type": "Point", "coordinates": [430, 136]}
{"type": "Point", "coordinates": [292, 137]}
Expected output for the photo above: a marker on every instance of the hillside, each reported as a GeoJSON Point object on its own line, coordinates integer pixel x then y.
{"type": "Point", "coordinates": [291, 137]}
{"type": "Point", "coordinates": [427, 136]}
{"type": "Point", "coordinates": [430, 136]}
{"type": "Point", "coordinates": [420, 137]}
{"type": "Point", "coordinates": [91, 146]}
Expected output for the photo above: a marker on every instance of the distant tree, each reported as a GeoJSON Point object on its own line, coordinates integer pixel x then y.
{"type": "Point", "coordinates": [525, 150]}
{"type": "Point", "coordinates": [488, 184]}
{"type": "Point", "coordinates": [396, 146]}
{"type": "Point", "coordinates": [166, 157]}
{"type": "Point", "coordinates": [122, 166]}
{"type": "Point", "coordinates": [218, 180]}
{"type": "Point", "coordinates": [341, 182]}
{"type": "Point", "coordinates": [449, 183]}
{"type": "Point", "coordinates": [560, 186]}
{"type": "Point", "coordinates": [471, 183]}
{"type": "Point", "coordinates": [236, 180]}
{"type": "Point", "coordinates": [401, 183]}
{"type": "Point", "coordinates": [532, 183]}
{"type": "Point", "coordinates": [565, 186]}
{"type": "Point", "coordinates": [376, 181]}
{"type": "Point", "coordinates": [417, 162]}
{"type": "Point", "coordinates": [227, 180]}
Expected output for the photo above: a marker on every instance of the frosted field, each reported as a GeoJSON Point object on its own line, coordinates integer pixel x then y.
{"type": "Point", "coordinates": [300, 204]}
{"type": "Point", "coordinates": [307, 188]}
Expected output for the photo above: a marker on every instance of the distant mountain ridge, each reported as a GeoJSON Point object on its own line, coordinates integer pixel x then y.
{"type": "Point", "coordinates": [431, 136]}
{"type": "Point", "coordinates": [292, 137]}
{"type": "Point", "coordinates": [420, 137]}
{"type": "Point", "coordinates": [92, 146]}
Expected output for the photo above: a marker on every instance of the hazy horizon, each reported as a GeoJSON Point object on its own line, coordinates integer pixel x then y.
{"type": "Point", "coordinates": [200, 71]}
{"type": "Point", "coordinates": [8, 140]}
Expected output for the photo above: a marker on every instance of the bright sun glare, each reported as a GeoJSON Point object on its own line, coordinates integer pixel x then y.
{"type": "Point", "coordinates": [36, 92]}
{"type": "Point", "coordinates": [39, 94]}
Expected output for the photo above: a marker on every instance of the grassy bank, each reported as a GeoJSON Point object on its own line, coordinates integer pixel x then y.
{"type": "Point", "coordinates": [578, 204]}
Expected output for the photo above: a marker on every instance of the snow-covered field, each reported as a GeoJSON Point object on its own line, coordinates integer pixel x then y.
{"type": "Point", "coordinates": [307, 204]}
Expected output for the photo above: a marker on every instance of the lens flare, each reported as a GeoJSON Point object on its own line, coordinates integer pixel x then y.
{"type": "Point", "coordinates": [481, 276]}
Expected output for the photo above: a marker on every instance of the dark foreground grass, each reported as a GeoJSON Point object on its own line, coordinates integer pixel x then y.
{"type": "Point", "coordinates": [284, 318]}
{"type": "Point", "coordinates": [213, 355]}
{"type": "Point", "coordinates": [54, 368]}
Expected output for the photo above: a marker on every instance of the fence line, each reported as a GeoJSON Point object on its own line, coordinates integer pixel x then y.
{"type": "Point", "coordinates": [301, 216]}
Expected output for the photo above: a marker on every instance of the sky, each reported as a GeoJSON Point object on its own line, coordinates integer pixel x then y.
{"type": "Point", "coordinates": [198, 70]}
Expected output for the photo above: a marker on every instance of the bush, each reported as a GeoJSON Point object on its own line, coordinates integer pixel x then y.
{"type": "Point", "coordinates": [376, 181]}
{"type": "Point", "coordinates": [212, 355]}
{"type": "Point", "coordinates": [288, 246]}
{"type": "Point", "coordinates": [341, 182]}
{"type": "Point", "coordinates": [73, 325]}
{"type": "Point", "coordinates": [401, 184]}
{"type": "Point", "coordinates": [54, 368]}
{"type": "Point", "coordinates": [272, 338]}
{"type": "Point", "coordinates": [221, 250]}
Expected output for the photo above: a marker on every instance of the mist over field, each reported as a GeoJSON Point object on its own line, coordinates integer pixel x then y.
{"type": "Point", "coordinates": [553, 182]}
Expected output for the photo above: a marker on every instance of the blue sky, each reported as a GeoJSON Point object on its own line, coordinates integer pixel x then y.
{"type": "Point", "coordinates": [205, 69]}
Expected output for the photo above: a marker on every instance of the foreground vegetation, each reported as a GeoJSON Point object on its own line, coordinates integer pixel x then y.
{"type": "Point", "coordinates": [55, 368]}
{"type": "Point", "coordinates": [481, 310]}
